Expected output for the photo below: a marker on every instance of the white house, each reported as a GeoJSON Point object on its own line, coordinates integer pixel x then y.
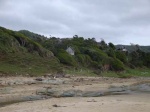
{"type": "Point", "coordinates": [124, 50]}
{"type": "Point", "coordinates": [70, 50]}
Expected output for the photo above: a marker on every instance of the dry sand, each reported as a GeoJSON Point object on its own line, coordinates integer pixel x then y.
{"type": "Point", "coordinates": [122, 103]}
{"type": "Point", "coordinates": [137, 102]}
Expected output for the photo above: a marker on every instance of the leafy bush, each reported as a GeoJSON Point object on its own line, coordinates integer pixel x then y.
{"type": "Point", "coordinates": [111, 53]}
{"type": "Point", "coordinates": [96, 54]}
{"type": "Point", "coordinates": [96, 65]}
{"type": "Point", "coordinates": [84, 60]}
{"type": "Point", "coordinates": [66, 58]}
{"type": "Point", "coordinates": [121, 56]}
{"type": "Point", "coordinates": [117, 65]}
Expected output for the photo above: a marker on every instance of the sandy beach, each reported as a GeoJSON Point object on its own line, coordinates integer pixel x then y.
{"type": "Point", "coordinates": [133, 102]}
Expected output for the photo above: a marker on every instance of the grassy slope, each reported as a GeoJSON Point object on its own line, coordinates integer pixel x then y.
{"type": "Point", "coordinates": [27, 58]}
{"type": "Point", "coordinates": [26, 63]}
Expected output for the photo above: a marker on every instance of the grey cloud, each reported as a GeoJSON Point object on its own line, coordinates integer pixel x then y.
{"type": "Point", "coordinates": [118, 21]}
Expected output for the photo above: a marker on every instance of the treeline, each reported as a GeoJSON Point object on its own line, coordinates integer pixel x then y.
{"type": "Point", "coordinates": [87, 53]}
{"type": "Point", "coordinates": [96, 55]}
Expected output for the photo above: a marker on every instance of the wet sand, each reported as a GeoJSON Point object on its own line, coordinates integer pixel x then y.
{"type": "Point", "coordinates": [135, 102]}
{"type": "Point", "coordinates": [121, 103]}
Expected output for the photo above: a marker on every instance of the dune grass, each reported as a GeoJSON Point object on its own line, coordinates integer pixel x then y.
{"type": "Point", "coordinates": [128, 73]}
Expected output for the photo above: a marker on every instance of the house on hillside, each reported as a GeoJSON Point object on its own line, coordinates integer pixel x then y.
{"type": "Point", "coordinates": [70, 50]}
{"type": "Point", "coordinates": [122, 48]}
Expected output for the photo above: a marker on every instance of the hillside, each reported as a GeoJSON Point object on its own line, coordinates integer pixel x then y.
{"type": "Point", "coordinates": [132, 48]}
{"type": "Point", "coordinates": [21, 55]}
{"type": "Point", "coordinates": [35, 37]}
{"type": "Point", "coordinates": [27, 53]}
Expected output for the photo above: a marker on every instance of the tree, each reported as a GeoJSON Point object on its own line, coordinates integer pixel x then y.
{"type": "Point", "coordinates": [111, 45]}
{"type": "Point", "coordinates": [103, 45]}
{"type": "Point", "coordinates": [137, 58]}
{"type": "Point", "coordinates": [116, 64]}
{"type": "Point", "coordinates": [121, 56]}
{"type": "Point", "coordinates": [111, 53]}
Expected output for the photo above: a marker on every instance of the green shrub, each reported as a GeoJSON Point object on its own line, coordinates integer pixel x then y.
{"type": "Point", "coordinates": [117, 65]}
{"type": "Point", "coordinates": [96, 65]}
{"type": "Point", "coordinates": [111, 53]}
{"type": "Point", "coordinates": [66, 58]}
{"type": "Point", "coordinates": [96, 54]}
{"type": "Point", "coordinates": [84, 60]}
{"type": "Point", "coordinates": [121, 56]}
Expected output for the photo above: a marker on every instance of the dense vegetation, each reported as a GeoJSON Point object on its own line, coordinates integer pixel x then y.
{"type": "Point", "coordinates": [21, 55]}
{"type": "Point", "coordinates": [24, 52]}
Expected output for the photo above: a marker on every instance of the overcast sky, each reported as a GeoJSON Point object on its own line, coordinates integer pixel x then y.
{"type": "Point", "coordinates": [116, 21]}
